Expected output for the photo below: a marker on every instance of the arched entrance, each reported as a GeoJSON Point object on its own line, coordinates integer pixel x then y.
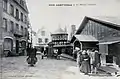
{"type": "Point", "coordinates": [77, 44]}
{"type": "Point", "coordinates": [8, 46]}
{"type": "Point", "coordinates": [22, 47]}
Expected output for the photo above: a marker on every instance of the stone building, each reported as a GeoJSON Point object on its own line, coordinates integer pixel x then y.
{"type": "Point", "coordinates": [13, 27]}
{"type": "Point", "coordinates": [101, 35]}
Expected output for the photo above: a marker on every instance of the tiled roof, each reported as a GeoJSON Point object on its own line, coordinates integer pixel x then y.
{"type": "Point", "coordinates": [103, 22]}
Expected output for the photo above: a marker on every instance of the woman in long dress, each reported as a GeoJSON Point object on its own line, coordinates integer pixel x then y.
{"type": "Point", "coordinates": [85, 64]}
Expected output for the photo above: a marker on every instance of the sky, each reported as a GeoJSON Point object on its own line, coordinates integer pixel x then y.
{"type": "Point", "coordinates": [52, 17]}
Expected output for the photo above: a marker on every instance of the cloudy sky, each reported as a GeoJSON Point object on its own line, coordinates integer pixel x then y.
{"type": "Point", "coordinates": [51, 17]}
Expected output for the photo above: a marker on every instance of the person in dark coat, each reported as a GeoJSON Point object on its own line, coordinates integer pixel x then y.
{"type": "Point", "coordinates": [96, 62]}
{"type": "Point", "coordinates": [85, 64]}
{"type": "Point", "coordinates": [32, 59]}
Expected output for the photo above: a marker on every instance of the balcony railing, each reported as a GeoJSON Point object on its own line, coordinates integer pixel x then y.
{"type": "Point", "coordinates": [18, 32]}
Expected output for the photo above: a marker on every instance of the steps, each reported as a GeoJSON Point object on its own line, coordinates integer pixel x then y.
{"type": "Point", "coordinates": [108, 70]}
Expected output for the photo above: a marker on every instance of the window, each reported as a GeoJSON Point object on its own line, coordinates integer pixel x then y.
{"type": "Point", "coordinates": [5, 23]}
{"type": "Point", "coordinates": [17, 14]}
{"type": "Point", "coordinates": [17, 26]}
{"type": "Point", "coordinates": [5, 5]}
{"type": "Point", "coordinates": [39, 40]}
{"type": "Point", "coordinates": [46, 40]}
{"type": "Point", "coordinates": [12, 10]}
{"type": "Point", "coordinates": [22, 17]}
{"type": "Point", "coordinates": [22, 29]}
{"type": "Point", "coordinates": [22, 2]}
{"type": "Point", "coordinates": [12, 26]}
{"type": "Point", "coordinates": [25, 31]}
{"type": "Point", "coordinates": [43, 33]}
{"type": "Point", "coordinates": [25, 19]}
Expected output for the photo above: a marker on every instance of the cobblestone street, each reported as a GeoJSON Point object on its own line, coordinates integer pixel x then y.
{"type": "Point", "coordinates": [17, 68]}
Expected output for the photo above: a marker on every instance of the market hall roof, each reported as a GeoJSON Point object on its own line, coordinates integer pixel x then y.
{"type": "Point", "coordinates": [105, 23]}
{"type": "Point", "coordinates": [59, 31]}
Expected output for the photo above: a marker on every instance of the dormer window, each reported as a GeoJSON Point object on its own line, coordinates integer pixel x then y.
{"type": "Point", "coordinates": [42, 33]}
{"type": "Point", "coordinates": [22, 2]}
{"type": "Point", "coordinates": [5, 5]}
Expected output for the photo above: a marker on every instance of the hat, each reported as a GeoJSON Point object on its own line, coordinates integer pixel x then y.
{"type": "Point", "coordinates": [84, 51]}
{"type": "Point", "coordinates": [77, 48]}
{"type": "Point", "coordinates": [96, 51]}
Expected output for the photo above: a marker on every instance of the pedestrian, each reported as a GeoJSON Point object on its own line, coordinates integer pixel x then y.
{"type": "Point", "coordinates": [96, 63]}
{"type": "Point", "coordinates": [79, 59]}
{"type": "Point", "coordinates": [92, 59]}
{"type": "Point", "coordinates": [85, 66]}
{"type": "Point", "coordinates": [75, 52]}
{"type": "Point", "coordinates": [32, 59]}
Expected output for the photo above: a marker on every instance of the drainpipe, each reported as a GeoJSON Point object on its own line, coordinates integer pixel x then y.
{"type": "Point", "coordinates": [80, 45]}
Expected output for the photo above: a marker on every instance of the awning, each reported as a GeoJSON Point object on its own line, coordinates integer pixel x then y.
{"type": "Point", "coordinates": [110, 42]}
{"type": "Point", "coordinates": [62, 45]}
{"type": "Point", "coordinates": [8, 37]}
{"type": "Point", "coordinates": [86, 38]}
{"type": "Point", "coordinates": [41, 45]}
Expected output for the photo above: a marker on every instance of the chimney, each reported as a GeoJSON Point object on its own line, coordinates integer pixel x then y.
{"type": "Point", "coordinates": [73, 30]}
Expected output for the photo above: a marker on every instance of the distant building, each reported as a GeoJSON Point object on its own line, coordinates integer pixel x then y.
{"type": "Point", "coordinates": [60, 40]}
{"type": "Point", "coordinates": [42, 38]}
{"type": "Point", "coordinates": [13, 26]}
{"type": "Point", "coordinates": [101, 35]}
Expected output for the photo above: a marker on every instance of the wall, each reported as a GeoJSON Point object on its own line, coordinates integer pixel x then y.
{"type": "Point", "coordinates": [1, 11]}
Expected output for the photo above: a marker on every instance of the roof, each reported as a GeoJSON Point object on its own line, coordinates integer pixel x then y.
{"type": "Point", "coordinates": [24, 7]}
{"type": "Point", "coordinates": [108, 22]}
{"type": "Point", "coordinates": [105, 23]}
{"type": "Point", "coordinates": [110, 42]}
{"type": "Point", "coordinates": [60, 31]}
{"type": "Point", "coordinates": [86, 38]}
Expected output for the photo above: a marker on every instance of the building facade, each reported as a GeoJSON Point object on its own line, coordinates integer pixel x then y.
{"type": "Point", "coordinates": [108, 36]}
{"type": "Point", "coordinates": [42, 38]}
{"type": "Point", "coordinates": [14, 26]}
{"type": "Point", "coordinates": [60, 40]}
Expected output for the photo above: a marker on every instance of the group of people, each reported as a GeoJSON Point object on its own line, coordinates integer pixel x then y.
{"type": "Point", "coordinates": [32, 59]}
{"type": "Point", "coordinates": [88, 60]}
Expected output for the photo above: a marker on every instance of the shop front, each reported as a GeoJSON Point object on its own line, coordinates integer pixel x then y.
{"type": "Point", "coordinates": [110, 52]}
{"type": "Point", "coordinates": [85, 42]}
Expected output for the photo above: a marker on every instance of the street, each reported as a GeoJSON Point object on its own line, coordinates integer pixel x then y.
{"type": "Point", "coordinates": [17, 68]}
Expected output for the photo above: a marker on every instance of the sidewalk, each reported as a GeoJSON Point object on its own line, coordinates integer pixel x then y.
{"type": "Point", "coordinates": [74, 73]}
{"type": "Point", "coordinates": [109, 70]}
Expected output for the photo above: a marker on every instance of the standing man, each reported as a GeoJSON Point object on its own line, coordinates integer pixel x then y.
{"type": "Point", "coordinates": [96, 62]}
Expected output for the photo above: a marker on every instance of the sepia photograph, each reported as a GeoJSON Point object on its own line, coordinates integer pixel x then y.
{"type": "Point", "coordinates": [59, 39]}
